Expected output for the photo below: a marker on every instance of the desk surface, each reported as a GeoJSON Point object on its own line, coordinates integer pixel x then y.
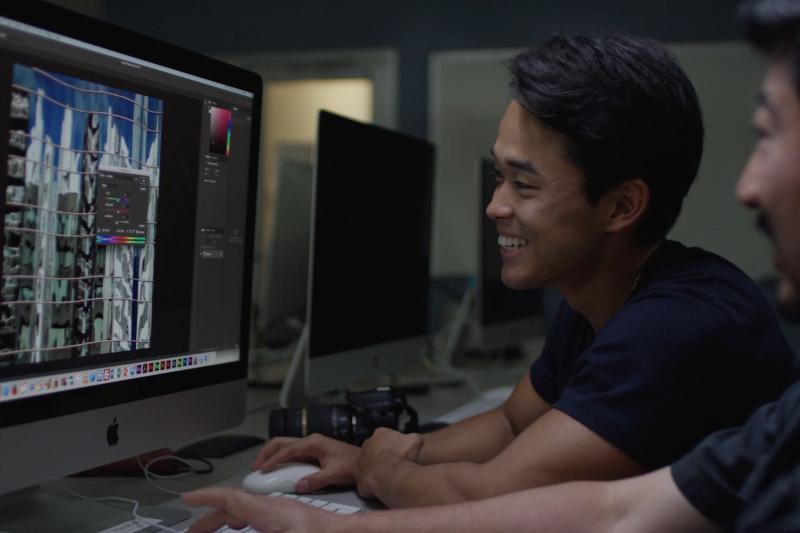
{"type": "Point", "coordinates": [47, 507]}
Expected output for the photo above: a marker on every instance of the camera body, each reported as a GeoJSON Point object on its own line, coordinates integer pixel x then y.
{"type": "Point", "coordinates": [353, 422]}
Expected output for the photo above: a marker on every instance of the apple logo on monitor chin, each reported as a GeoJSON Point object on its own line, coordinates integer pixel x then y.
{"type": "Point", "coordinates": [111, 434]}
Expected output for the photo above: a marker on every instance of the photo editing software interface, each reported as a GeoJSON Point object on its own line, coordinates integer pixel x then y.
{"type": "Point", "coordinates": [124, 215]}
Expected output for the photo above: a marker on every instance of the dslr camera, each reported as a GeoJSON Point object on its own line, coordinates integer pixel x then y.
{"type": "Point", "coordinates": [353, 422]}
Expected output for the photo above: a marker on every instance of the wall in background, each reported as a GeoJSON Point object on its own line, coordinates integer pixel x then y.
{"type": "Point", "coordinates": [414, 27]}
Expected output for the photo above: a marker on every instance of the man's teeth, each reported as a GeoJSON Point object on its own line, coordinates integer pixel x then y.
{"type": "Point", "coordinates": [511, 243]}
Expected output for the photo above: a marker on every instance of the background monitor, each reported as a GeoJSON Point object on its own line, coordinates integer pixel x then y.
{"type": "Point", "coordinates": [128, 172]}
{"type": "Point", "coordinates": [370, 253]}
{"type": "Point", "coordinates": [505, 317]}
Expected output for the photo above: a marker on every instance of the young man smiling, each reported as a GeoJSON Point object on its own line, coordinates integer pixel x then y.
{"type": "Point", "coordinates": [656, 346]}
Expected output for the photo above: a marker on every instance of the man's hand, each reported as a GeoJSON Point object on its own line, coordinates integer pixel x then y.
{"type": "Point", "coordinates": [337, 459]}
{"type": "Point", "coordinates": [237, 509]}
{"type": "Point", "coordinates": [382, 458]}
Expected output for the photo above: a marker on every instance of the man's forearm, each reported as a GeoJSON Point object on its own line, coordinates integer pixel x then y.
{"type": "Point", "coordinates": [569, 508]}
{"type": "Point", "coordinates": [478, 439]}
{"type": "Point", "coordinates": [645, 504]}
{"type": "Point", "coordinates": [399, 483]}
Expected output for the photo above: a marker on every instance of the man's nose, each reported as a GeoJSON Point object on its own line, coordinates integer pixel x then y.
{"type": "Point", "coordinates": [748, 188]}
{"type": "Point", "coordinates": [499, 208]}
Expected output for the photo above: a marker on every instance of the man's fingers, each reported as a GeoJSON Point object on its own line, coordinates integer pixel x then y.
{"type": "Point", "coordinates": [210, 497]}
{"type": "Point", "coordinates": [214, 520]}
{"type": "Point", "coordinates": [301, 450]}
{"type": "Point", "coordinates": [272, 446]}
{"type": "Point", "coordinates": [238, 509]}
{"type": "Point", "coordinates": [236, 502]}
{"type": "Point", "coordinates": [364, 493]}
{"type": "Point", "coordinates": [315, 482]}
{"type": "Point", "coordinates": [284, 455]}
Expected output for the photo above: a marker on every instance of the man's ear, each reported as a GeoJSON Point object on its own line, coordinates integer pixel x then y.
{"type": "Point", "coordinates": [625, 205]}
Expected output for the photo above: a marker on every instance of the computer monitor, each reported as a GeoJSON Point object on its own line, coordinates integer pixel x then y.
{"type": "Point", "coordinates": [128, 173]}
{"type": "Point", "coordinates": [505, 317]}
{"type": "Point", "coordinates": [370, 253]}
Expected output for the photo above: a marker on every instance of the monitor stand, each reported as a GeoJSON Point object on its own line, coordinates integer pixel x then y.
{"type": "Point", "coordinates": [440, 364]}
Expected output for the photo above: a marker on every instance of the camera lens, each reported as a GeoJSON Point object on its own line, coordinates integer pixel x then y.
{"type": "Point", "coordinates": [333, 421]}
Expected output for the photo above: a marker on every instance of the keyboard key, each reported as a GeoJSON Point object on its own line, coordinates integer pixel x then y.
{"type": "Point", "coordinates": [318, 503]}
{"type": "Point", "coordinates": [304, 499]}
{"type": "Point", "coordinates": [330, 507]}
{"type": "Point", "coordinates": [347, 509]}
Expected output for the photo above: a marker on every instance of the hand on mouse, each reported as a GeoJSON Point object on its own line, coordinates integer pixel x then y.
{"type": "Point", "coordinates": [336, 459]}
{"type": "Point", "coordinates": [381, 455]}
{"type": "Point", "coordinates": [237, 509]}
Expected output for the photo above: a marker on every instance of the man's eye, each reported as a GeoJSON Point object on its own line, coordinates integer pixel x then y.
{"type": "Point", "coordinates": [496, 174]}
{"type": "Point", "coordinates": [519, 185]}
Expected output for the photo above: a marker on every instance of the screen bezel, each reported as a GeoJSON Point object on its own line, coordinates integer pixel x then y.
{"type": "Point", "coordinates": [99, 33]}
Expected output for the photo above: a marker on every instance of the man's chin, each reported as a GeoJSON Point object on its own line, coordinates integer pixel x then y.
{"type": "Point", "coordinates": [517, 283]}
{"type": "Point", "coordinates": [788, 297]}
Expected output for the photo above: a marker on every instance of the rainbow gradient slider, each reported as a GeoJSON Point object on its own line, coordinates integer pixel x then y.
{"type": "Point", "coordinates": [114, 239]}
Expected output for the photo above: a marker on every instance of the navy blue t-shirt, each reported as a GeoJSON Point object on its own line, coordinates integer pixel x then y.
{"type": "Point", "coordinates": [695, 349]}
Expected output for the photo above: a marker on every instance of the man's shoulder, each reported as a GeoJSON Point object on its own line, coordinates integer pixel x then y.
{"type": "Point", "coordinates": [693, 277]}
{"type": "Point", "coordinates": [675, 262]}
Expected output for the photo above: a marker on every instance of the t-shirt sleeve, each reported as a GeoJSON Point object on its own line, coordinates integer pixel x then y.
{"type": "Point", "coordinates": [655, 381]}
{"type": "Point", "coordinates": [714, 477]}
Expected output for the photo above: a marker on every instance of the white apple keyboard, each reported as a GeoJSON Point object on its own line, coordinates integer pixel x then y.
{"type": "Point", "coordinates": [337, 508]}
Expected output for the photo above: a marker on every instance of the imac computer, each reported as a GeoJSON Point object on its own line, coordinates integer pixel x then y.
{"type": "Point", "coordinates": [504, 317]}
{"type": "Point", "coordinates": [128, 177]}
{"type": "Point", "coordinates": [370, 253]}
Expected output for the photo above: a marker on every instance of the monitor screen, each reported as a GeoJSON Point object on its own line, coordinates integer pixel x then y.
{"type": "Point", "coordinates": [370, 252]}
{"type": "Point", "coordinates": [127, 234]}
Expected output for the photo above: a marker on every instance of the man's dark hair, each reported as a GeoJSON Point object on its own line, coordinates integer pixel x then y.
{"type": "Point", "coordinates": [773, 27]}
{"type": "Point", "coordinates": [627, 110]}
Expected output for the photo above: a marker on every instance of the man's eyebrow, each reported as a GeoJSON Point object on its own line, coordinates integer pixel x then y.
{"type": "Point", "coordinates": [525, 166]}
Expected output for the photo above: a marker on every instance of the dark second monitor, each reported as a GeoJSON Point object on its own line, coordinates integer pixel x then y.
{"type": "Point", "coordinates": [370, 253]}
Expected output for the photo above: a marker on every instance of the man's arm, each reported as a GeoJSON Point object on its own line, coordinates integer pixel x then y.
{"type": "Point", "coordinates": [478, 439]}
{"type": "Point", "coordinates": [646, 504]}
{"type": "Point", "coordinates": [554, 449]}
{"type": "Point", "coordinates": [483, 437]}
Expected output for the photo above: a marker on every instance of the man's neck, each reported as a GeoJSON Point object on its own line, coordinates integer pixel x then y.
{"type": "Point", "coordinates": [605, 288]}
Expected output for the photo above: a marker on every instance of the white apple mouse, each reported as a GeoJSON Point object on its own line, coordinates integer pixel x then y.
{"type": "Point", "coordinates": [282, 478]}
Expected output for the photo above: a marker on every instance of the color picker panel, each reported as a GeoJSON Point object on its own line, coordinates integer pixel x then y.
{"type": "Point", "coordinates": [220, 132]}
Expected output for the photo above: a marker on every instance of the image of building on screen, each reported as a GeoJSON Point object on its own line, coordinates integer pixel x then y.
{"type": "Point", "coordinates": [80, 218]}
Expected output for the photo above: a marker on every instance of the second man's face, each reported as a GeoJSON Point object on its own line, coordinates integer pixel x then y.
{"type": "Point", "coordinates": [548, 232]}
{"type": "Point", "coordinates": [770, 181]}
